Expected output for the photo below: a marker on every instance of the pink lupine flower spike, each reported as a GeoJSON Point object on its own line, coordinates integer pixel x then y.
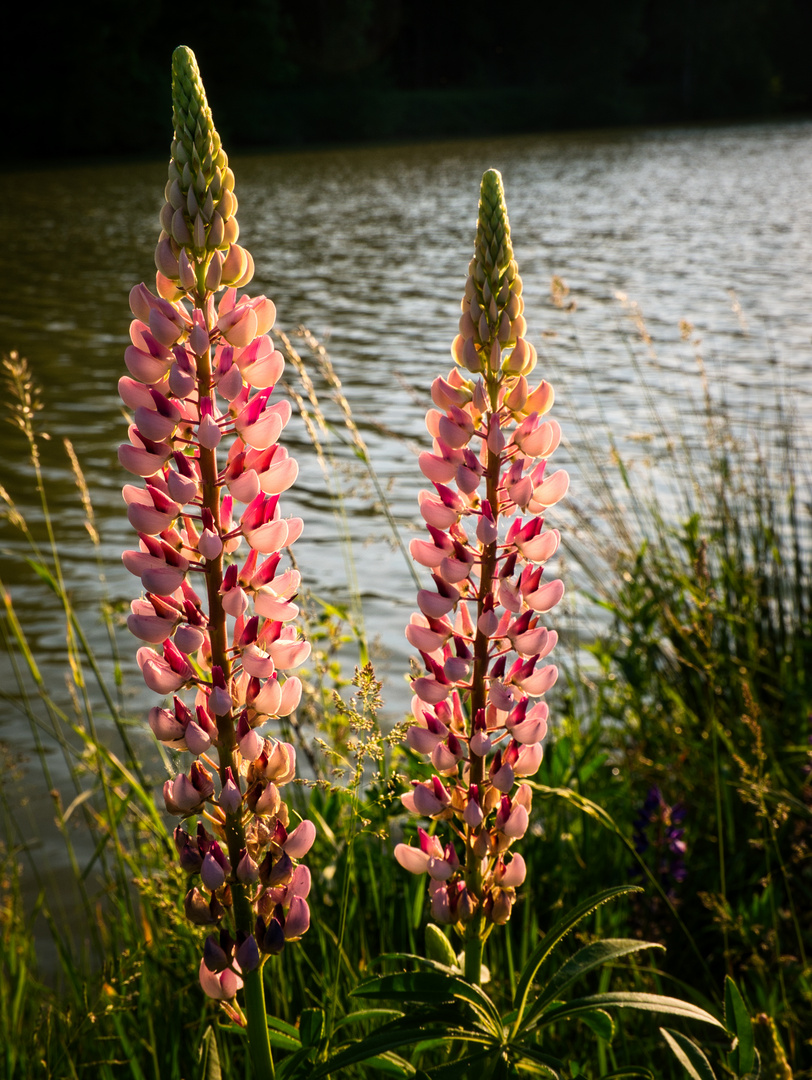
{"type": "Point", "coordinates": [481, 629]}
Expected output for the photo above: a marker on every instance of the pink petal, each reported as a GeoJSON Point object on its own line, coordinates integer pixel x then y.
{"type": "Point", "coordinates": [412, 859]}
{"type": "Point", "coordinates": [545, 598]}
{"type": "Point", "coordinates": [300, 841]}
{"type": "Point", "coordinates": [552, 489]}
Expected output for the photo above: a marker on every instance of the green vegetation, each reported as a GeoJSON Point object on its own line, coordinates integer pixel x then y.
{"type": "Point", "coordinates": [698, 686]}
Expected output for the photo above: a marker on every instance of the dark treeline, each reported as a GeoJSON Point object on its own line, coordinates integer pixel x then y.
{"type": "Point", "coordinates": [91, 78]}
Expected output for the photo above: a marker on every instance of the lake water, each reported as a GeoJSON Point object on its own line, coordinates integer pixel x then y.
{"type": "Point", "coordinates": [369, 248]}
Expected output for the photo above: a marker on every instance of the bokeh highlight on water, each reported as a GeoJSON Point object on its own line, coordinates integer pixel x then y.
{"type": "Point", "coordinates": [369, 248]}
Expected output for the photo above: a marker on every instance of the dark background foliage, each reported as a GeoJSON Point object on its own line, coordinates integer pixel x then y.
{"type": "Point", "coordinates": [92, 78]}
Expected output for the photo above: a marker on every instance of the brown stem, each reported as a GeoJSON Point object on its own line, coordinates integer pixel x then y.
{"type": "Point", "coordinates": [218, 637]}
{"type": "Point", "coordinates": [479, 685]}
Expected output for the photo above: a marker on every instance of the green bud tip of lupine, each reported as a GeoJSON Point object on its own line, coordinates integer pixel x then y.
{"type": "Point", "coordinates": [200, 209]}
{"type": "Point", "coordinates": [493, 290]}
{"type": "Point", "coordinates": [493, 245]}
{"type": "Point", "coordinates": [194, 126]}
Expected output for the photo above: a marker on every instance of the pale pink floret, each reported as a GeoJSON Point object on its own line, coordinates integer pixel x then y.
{"type": "Point", "coordinates": [221, 986]}
{"type": "Point", "coordinates": [257, 662]}
{"type": "Point", "coordinates": [425, 639]}
{"type": "Point", "coordinates": [140, 460]}
{"type": "Point", "coordinates": [280, 475]}
{"type": "Point", "coordinates": [144, 623]}
{"type": "Point", "coordinates": [269, 537]}
{"type": "Point", "coordinates": [514, 872]}
{"type": "Point", "coordinates": [546, 598]}
{"type": "Point", "coordinates": [540, 681]}
{"type": "Point", "coordinates": [289, 651]}
{"type": "Point", "coordinates": [550, 491]}
{"type": "Point", "coordinates": [149, 510]}
{"type": "Point", "coordinates": [529, 759]}
{"type": "Point", "coordinates": [291, 695]}
{"type": "Point", "coordinates": [300, 840]}
{"type": "Point", "coordinates": [297, 919]}
{"type": "Point", "coordinates": [260, 364]}
{"type": "Point", "coordinates": [239, 326]}
{"type": "Point", "coordinates": [159, 675]}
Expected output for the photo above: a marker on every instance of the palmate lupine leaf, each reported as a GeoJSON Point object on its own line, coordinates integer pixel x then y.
{"type": "Point", "coordinates": [586, 959]}
{"type": "Point", "coordinates": [407, 1031]}
{"type": "Point", "coordinates": [625, 999]}
{"type": "Point", "coordinates": [434, 987]}
{"type": "Point", "coordinates": [551, 940]}
{"type": "Point", "coordinates": [630, 1070]}
{"type": "Point", "coordinates": [688, 1055]}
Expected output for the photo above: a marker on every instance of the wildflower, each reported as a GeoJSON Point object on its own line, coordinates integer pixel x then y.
{"type": "Point", "coordinates": [481, 630]}
{"type": "Point", "coordinates": [202, 366]}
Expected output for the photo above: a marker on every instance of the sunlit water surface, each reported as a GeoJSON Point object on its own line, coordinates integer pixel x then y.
{"type": "Point", "coordinates": [369, 248]}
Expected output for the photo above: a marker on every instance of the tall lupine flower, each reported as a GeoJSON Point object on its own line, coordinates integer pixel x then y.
{"type": "Point", "coordinates": [214, 618]}
{"type": "Point", "coordinates": [481, 627]}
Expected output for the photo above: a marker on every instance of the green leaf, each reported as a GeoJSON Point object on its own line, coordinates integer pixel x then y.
{"type": "Point", "coordinates": [393, 1065]}
{"type": "Point", "coordinates": [630, 1070]}
{"type": "Point", "coordinates": [586, 959]}
{"type": "Point", "coordinates": [554, 936]}
{"type": "Point", "coordinates": [624, 999]}
{"type": "Point", "coordinates": [688, 1055]}
{"type": "Point", "coordinates": [451, 1070]}
{"type": "Point", "coordinates": [531, 1052]}
{"type": "Point", "coordinates": [209, 1056]}
{"type": "Point", "coordinates": [296, 1067]}
{"type": "Point", "coordinates": [438, 947]}
{"type": "Point", "coordinates": [283, 1036]}
{"type": "Point", "coordinates": [601, 1023]}
{"type": "Point", "coordinates": [405, 1032]}
{"type": "Point", "coordinates": [738, 1023]}
{"type": "Point", "coordinates": [311, 1027]}
{"type": "Point", "coordinates": [433, 988]}
{"type": "Point", "coordinates": [361, 1015]}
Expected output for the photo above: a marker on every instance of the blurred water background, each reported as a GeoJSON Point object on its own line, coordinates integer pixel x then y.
{"type": "Point", "coordinates": [369, 248]}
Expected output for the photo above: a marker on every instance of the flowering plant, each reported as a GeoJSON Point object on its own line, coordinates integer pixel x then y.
{"type": "Point", "coordinates": [480, 631]}
{"type": "Point", "coordinates": [205, 438]}
{"type": "Point", "coordinates": [480, 635]}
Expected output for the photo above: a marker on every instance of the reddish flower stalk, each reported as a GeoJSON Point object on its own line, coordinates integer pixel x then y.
{"type": "Point", "coordinates": [205, 438]}
{"type": "Point", "coordinates": [480, 627]}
